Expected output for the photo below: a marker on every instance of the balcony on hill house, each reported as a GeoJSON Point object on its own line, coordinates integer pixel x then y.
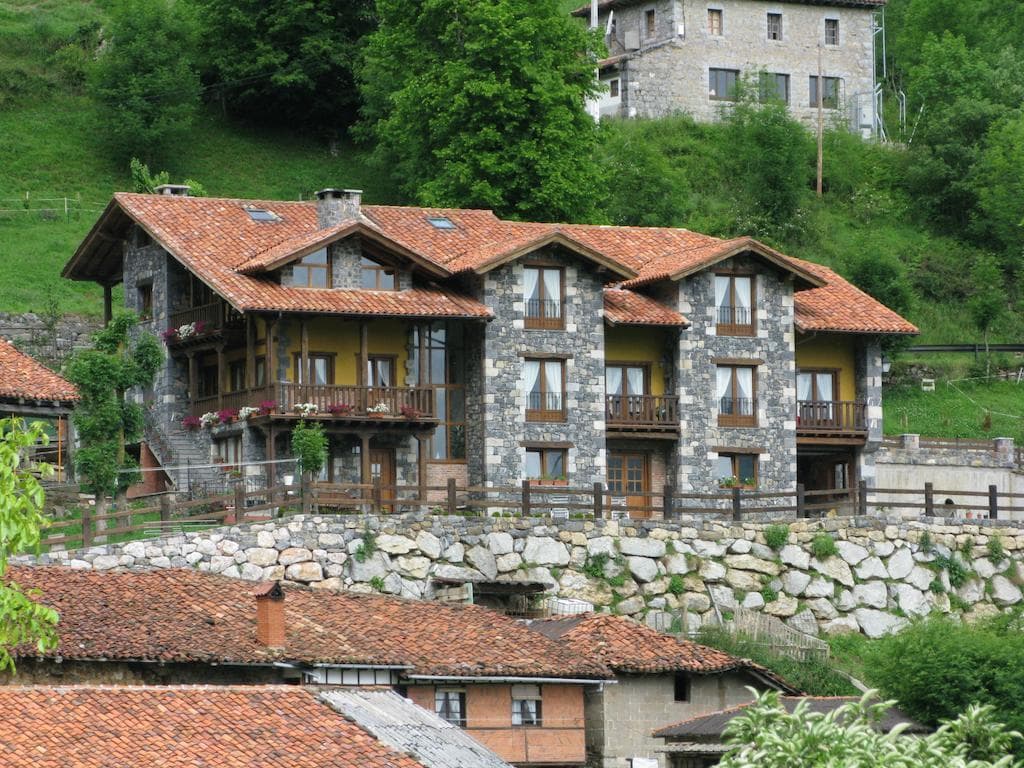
{"type": "Point", "coordinates": [831, 419]}
{"type": "Point", "coordinates": [657, 415]}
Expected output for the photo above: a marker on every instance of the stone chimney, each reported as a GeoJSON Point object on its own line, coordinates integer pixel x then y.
{"type": "Point", "coordinates": [334, 206]}
{"type": "Point", "coordinates": [173, 190]}
{"type": "Point", "coordinates": [270, 627]}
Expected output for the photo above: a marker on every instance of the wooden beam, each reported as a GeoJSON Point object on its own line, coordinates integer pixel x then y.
{"type": "Point", "coordinates": [422, 350]}
{"type": "Point", "coordinates": [193, 376]}
{"type": "Point", "coordinates": [364, 458]}
{"type": "Point", "coordinates": [271, 364]}
{"type": "Point", "coordinates": [108, 304]}
{"type": "Point", "coordinates": [364, 353]}
{"type": "Point", "coordinates": [250, 352]}
{"type": "Point", "coordinates": [304, 376]}
{"type": "Point", "coordinates": [221, 376]}
{"type": "Point", "coordinates": [421, 464]}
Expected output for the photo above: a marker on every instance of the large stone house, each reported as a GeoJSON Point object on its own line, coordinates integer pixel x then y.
{"type": "Point", "coordinates": [515, 692]}
{"type": "Point", "coordinates": [437, 344]}
{"type": "Point", "coordinates": [658, 679]}
{"type": "Point", "coordinates": [688, 56]}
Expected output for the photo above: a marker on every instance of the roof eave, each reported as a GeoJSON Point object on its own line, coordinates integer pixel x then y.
{"type": "Point", "coordinates": [753, 246]}
{"type": "Point", "coordinates": [556, 238]}
{"type": "Point", "coordinates": [854, 332]}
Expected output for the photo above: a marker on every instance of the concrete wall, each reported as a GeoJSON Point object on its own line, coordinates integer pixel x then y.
{"type": "Point", "coordinates": [627, 712]}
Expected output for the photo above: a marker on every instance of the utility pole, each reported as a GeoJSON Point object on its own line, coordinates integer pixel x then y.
{"type": "Point", "coordinates": [821, 120]}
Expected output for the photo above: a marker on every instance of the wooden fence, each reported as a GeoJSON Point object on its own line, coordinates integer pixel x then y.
{"type": "Point", "coordinates": [525, 500]}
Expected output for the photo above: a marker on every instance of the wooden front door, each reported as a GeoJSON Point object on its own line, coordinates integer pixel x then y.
{"type": "Point", "coordinates": [628, 477]}
{"type": "Point", "coordinates": [382, 468]}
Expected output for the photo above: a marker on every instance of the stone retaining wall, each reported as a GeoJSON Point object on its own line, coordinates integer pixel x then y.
{"type": "Point", "coordinates": [882, 572]}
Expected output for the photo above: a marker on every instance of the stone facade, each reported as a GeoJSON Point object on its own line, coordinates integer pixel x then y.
{"type": "Point", "coordinates": [689, 572]}
{"type": "Point", "coordinates": [669, 71]}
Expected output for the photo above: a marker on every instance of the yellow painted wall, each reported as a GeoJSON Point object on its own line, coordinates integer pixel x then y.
{"type": "Point", "coordinates": [632, 344]}
{"type": "Point", "coordinates": [830, 350]}
{"type": "Point", "coordinates": [341, 337]}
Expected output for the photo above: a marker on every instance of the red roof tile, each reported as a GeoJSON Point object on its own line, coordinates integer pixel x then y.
{"type": "Point", "coordinates": [182, 727]}
{"type": "Point", "coordinates": [625, 645]}
{"type": "Point", "coordinates": [182, 615]}
{"type": "Point", "coordinates": [622, 307]}
{"type": "Point", "coordinates": [216, 238]}
{"type": "Point", "coordinates": [604, 5]}
{"type": "Point", "coordinates": [22, 377]}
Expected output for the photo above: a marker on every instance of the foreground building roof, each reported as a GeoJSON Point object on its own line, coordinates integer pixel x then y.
{"type": "Point", "coordinates": [604, 5]}
{"type": "Point", "coordinates": [627, 646]}
{"type": "Point", "coordinates": [183, 615]}
{"type": "Point", "coordinates": [25, 379]}
{"type": "Point", "coordinates": [711, 726]}
{"type": "Point", "coordinates": [182, 727]}
{"type": "Point", "coordinates": [218, 240]}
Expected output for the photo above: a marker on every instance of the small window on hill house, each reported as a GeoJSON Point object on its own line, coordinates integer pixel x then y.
{"type": "Point", "coordinates": [830, 95]}
{"type": "Point", "coordinates": [715, 22]}
{"type": "Point", "coordinates": [543, 288]}
{"type": "Point", "coordinates": [774, 26]}
{"type": "Point", "coordinates": [526, 705]}
{"type": "Point", "coordinates": [450, 705]}
{"type": "Point", "coordinates": [649, 23]}
{"type": "Point", "coordinates": [260, 214]}
{"type": "Point", "coordinates": [313, 271]}
{"type": "Point", "coordinates": [736, 470]}
{"type": "Point", "coordinates": [146, 301]}
{"type": "Point", "coordinates": [722, 84]}
{"type": "Point", "coordinates": [831, 31]}
{"type": "Point", "coordinates": [441, 222]}
{"type": "Point", "coordinates": [681, 687]}
{"type": "Point", "coordinates": [613, 89]}
{"type": "Point", "coordinates": [736, 390]}
{"type": "Point", "coordinates": [376, 277]}
{"type": "Point", "coordinates": [734, 305]}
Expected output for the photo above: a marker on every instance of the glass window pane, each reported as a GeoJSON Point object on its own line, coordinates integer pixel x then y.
{"type": "Point", "coordinates": [317, 257]}
{"type": "Point", "coordinates": [319, 370]}
{"type": "Point", "coordinates": [456, 404]}
{"type": "Point", "coordinates": [532, 465]}
{"type": "Point", "coordinates": [437, 366]}
{"type": "Point", "coordinates": [439, 443]}
{"type": "Point", "coordinates": [457, 441]}
{"type": "Point", "coordinates": [368, 279]}
{"type": "Point", "coordinates": [555, 464]}
{"type": "Point", "coordinates": [440, 404]}
{"type": "Point", "coordinates": [824, 382]}
{"type": "Point", "coordinates": [300, 276]}
{"type": "Point", "coordinates": [387, 281]}
{"type": "Point", "coordinates": [723, 380]}
{"type": "Point", "coordinates": [723, 467]}
{"type": "Point", "coordinates": [747, 464]}
{"type": "Point", "coordinates": [613, 381]}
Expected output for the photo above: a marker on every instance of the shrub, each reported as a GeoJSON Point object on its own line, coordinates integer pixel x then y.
{"type": "Point", "coordinates": [594, 565]}
{"type": "Point", "coordinates": [996, 553]}
{"type": "Point", "coordinates": [958, 572]}
{"type": "Point", "coordinates": [309, 446]}
{"type": "Point", "coordinates": [770, 595]}
{"type": "Point", "coordinates": [377, 582]}
{"type": "Point", "coordinates": [676, 585]}
{"type": "Point", "coordinates": [823, 546]}
{"type": "Point", "coordinates": [776, 536]}
{"type": "Point", "coordinates": [925, 543]}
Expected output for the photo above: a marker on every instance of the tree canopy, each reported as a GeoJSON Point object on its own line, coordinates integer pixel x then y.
{"type": "Point", "coordinates": [482, 105]}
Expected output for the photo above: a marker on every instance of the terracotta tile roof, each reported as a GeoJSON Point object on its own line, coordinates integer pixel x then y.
{"type": "Point", "coordinates": [625, 645]}
{"type": "Point", "coordinates": [182, 727]}
{"type": "Point", "coordinates": [622, 307]}
{"type": "Point", "coordinates": [841, 306]}
{"type": "Point", "coordinates": [21, 377]}
{"type": "Point", "coordinates": [182, 615]}
{"type": "Point", "coordinates": [216, 238]}
{"type": "Point", "coordinates": [604, 5]}
{"type": "Point", "coordinates": [712, 725]}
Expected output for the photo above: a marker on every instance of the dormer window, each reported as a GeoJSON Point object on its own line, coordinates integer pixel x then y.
{"type": "Point", "coordinates": [261, 214]}
{"type": "Point", "coordinates": [376, 277]}
{"type": "Point", "coordinates": [441, 222]}
{"type": "Point", "coordinates": [313, 271]}
{"type": "Point", "coordinates": [734, 305]}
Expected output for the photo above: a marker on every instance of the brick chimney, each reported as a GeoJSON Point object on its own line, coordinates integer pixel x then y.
{"type": "Point", "coordinates": [336, 205]}
{"type": "Point", "coordinates": [174, 190]}
{"type": "Point", "coordinates": [270, 627]}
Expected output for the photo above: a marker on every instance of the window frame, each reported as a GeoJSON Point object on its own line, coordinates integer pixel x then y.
{"type": "Point", "coordinates": [770, 19]}
{"type": "Point", "coordinates": [814, 373]}
{"type": "Point", "coordinates": [734, 455]}
{"type": "Point", "coordinates": [199, 293]}
{"type": "Point", "coordinates": [733, 328]}
{"type": "Point", "coordinates": [826, 102]}
{"type": "Point", "coordinates": [650, 24]}
{"type": "Point", "coordinates": [731, 92]}
{"type": "Point", "coordinates": [144, 294]}
{"type": "Point", "coordinates": [368, 265]}
{"type": "Point", "coordinates": [312, 268]}
{"type": "Point", "coordinates": [236, 375]}
{"type": "Point", "coordinates": [546, 414]}
{"type": "Point", "coordinates": [613, 88]}
{"type": "Point", "coordinates": [834, 25]}
{"type": "Point", "coordinates": [448, 382]}
{"type": "Point", "coordinates": [719, 14]}
{"type": "Point", "coordinates": [544, 451]}
{"type": "Point", "coordinates": [681, 687]}
{"type": "Point", "coordinates": [371, 359]}
{"type": "Point", "coordinates": [440, 706]}
{"type": "Point", "coordinates": [737, 419]}
{"type": "Point", "coordinates": [537, 720]}
{"type": "Point", "coordinates": [233, 457]}
{"type": "Point", "coordinates": [543, 321]}
{"type": "Point", "coordinates": [765, 94]}
{"type": "Point", "coordinates": [208, 382]}
{"type": "Point", "coordinates": [313, 356]}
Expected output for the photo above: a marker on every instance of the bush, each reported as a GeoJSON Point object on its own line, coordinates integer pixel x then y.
{"type": "Point", "coordinates": [824, 546]}
{"type": "Point", "coordinates": [676, 585]}
{"type": "Point", "coordinates": [776, 536]}
{"type": "Point", "coordinates": [996, 553]}
{"type": "Point", "coordinates": [309, 446]}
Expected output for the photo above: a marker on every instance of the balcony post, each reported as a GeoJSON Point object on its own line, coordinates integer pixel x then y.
{"type": "Point", "coordinates": [108, 304]}
{"type": "Point", "coordinates": [422, 441]}
{"type": "Point", "coordinates": [250, 352]}
{"type": "Point", "coordinates": [271, 364]}
{"type": "Point", "coordinates": [193, 376]}
{"type": "Point", "coordinates": [304, 377]}
{"type": "Point", "coordinates": [221, 370]}
{"type": "Point", "coordinates": [421, 333]}
{"type": "Point", "coordinates": [364, 354]}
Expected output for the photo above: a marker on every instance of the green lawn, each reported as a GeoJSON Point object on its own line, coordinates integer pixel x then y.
{"type": "Point", "coordinates": [957, 409]}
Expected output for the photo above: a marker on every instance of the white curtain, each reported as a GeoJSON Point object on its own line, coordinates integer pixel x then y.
{"type": "Point", "coordinates": [531, 374]}
{"type": "Point", "coordinates": [723, 378]}
{"type": "Point", "coordinates": [553, 385]}
{"type": "Point", "coordinates": [745, 388]}
{"type": "Point", "coordinates": [613, 381]}
{"type": "Point", "coordinates": [743, 285]}
{"type": "Point", "coordinates": [553, 289]}
{"type": "Point", "coordinates": [825, 386]}
{"type": "Point", "coordinates": [635, 380]}
{"type": "Point", "coordinates": [803, 386]}
{"type": "Point", "coordinates": [530, 283]}
{"type": "Point", "coordinates": [721, 291]}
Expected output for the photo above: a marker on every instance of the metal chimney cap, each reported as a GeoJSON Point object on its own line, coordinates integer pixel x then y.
{"type": "Point", "coordinates": [177, 190]}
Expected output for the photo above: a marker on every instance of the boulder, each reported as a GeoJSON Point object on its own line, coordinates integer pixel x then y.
{"type": "Point", "coordinates": [455, 573]}
{"type": "Point", "coordinates": [871, 568]}
{"type": "Point", "coordinates": [456, 553]}
{"type": "Point", "coordinates": [872, 594]}
{"type": "Point", "coordinates": [712, 571]}
{"type": "Point", "coordinates": [305, 571]}
{"type": "Point", "coordinates": [971, 591]}
{"type": "Point", "coordinates": [413, 566]}
{"type": "Point", "coordinates": [630, 605]}
{"type": "Point", "coordinates": [823, 609]}
{"type": "Point", "coordinates": [782, 607]}
{"type": "Point", "coordinates": [748, 581]}
{"type": "Point", "coordinates": [429, 544]}
{"type": "Point", "coordinates": [677, 563]}
{"type": "Point", "coordinates": [696, 601]}
{"type": "Point", "coordinates": [840, 626]}
{"type": "Point", "coordinates": [878, 623]}
{"type": "Point", "coordinates": [920, 577]}
{"type": "Point", "coordinates": [740, 546]}
{"type": "Point", "coordinates": [294, 555]}
{"type": "Point", "coordinates": [900, 564]}
{"type": "Point", "coordinates": [509, 562]}
{"type": "Point", "coordinates": [642, 547]}
{"type": "Point", "coordinates": [1004, 591]}
{"type": "Point", "coordinates": [218, 563]}
{"type": "Point", "coordinates": [483, 560]}
{"type": "Point", "coordinates": [795, 582]}
{"type": "Point", "coordinates": [984, 568]}
{"type": "Point", "coordinates": [655, 587]}
{"type": "Point", "coordinates": [135, 549]}
{"type": "Point", "coordinates": [376, 565]}
{"type": "Point", "coordinates": [601, 545]}
{"type": "Point", "coordinates": [819, 588]}
{"type": "Point", "coordinates": [722, 597]}
{"type": "Point", "coordinates": [642, 568]}
{"type": "Point", "coordinates": [327, 540]}
{"type": "Point", "coordinates": [751, 563]}
{"type": "Point", "coordinates": [804, 621]}
{"type": "Point", "coordinates": [845, 601]}
{"type": "Point", "coordinates": [500, 543]}
{"type": "Point", "coordinates": [753, 601]}
{"type": "Point", "coordinates": [265, 539]}
{"type": "Point", "coordinates": [544, 551]}
{"type": "Point", "coordinates": [333, 582]}
{"type": "Point", "coordinates": [395, 545]}
{"type": "Point", "coordinates": [851, 553]}
{"type": "Point", "coordinates": [261, 556]}
{"type": "Point", "coordinates": [883, 548]}
{"type": "Point", "coordinates": [835, 568]}
{"type": "Point", "coordinates": [708, 548]}
{"type": "Point", "coordinates": [911, 600]}
{"type": "Point", "coordinates": [578, 587]}
{"type": "Point", "coordinates": [795, 556]}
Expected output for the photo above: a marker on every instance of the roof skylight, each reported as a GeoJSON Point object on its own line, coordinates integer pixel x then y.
{"type": "Point", "coordinates": [261, 214]}
{"type": "Point", "coordinates": [441, 222]}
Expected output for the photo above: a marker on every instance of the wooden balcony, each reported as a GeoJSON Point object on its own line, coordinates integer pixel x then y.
{"type": "Point", "coordinates": [654, 414]}
{"type": "Point", "coordinates": [831, 419]}
{"type": "Point", "coordinates": [208, 319]}
{"type": "Point", "coordinates": [334, 403]}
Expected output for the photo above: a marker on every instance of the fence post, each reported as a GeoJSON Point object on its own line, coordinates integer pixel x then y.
{"type": "Point", "coordinates": [526, 498]}
{"type": "Point", "coordinates": [929, 500]}
{"type": "Point", "coordinates": [737, 508]}
{"type": "Point", "coordinates": [801, 501]}
{"type": "Point", "coordinates": [451, 496]}
{"type": "Point", "coordinates": [377, 495]}
{"type": "Point", "coordinates": [306, 480]}
{"type": "Point", "coordinates": [165, 509]}
{"type": "Point", "coordinates": [86, 526]}
{"type": "Point", "coordinates": [993, 502]}
{"type": "Point", "coordinates": [239, 501]}
{"type": "Point", "coordinates": [666, 502]}
{"type": "Point", "coordinates": [598, 500]}
{"type": "Point", "coordinates": [862, 498]}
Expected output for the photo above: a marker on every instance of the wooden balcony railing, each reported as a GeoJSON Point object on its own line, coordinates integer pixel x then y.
{"type": "Point", "coordinates": [331, 401]}
{"type": "Point", "coordinates": [210, 315]}
{"type": "Point", "coordinates": [831, 417]}
{"type": "Point", "coordinates": [642, 412]}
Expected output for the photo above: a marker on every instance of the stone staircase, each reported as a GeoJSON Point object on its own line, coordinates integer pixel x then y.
{"type": "Point", "coordinates": [184, 455]}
